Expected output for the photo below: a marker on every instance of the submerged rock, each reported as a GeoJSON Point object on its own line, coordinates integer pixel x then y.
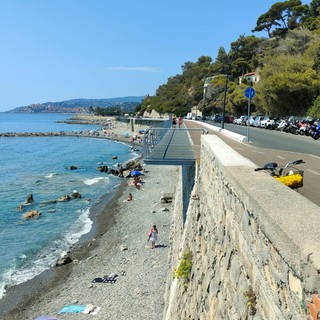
{"type": "Point", "coordinates": [64, 198]}
{"type": "Point", "coordinates": [75, 194]}
{"type": "Point", "coordinates": [72, 168]}
{"type": "Point", "coordinates": [102, 168]}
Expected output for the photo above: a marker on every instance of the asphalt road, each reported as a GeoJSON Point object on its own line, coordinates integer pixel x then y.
{"type": "Point", "coordinates": [272, 139]}
{"type": "Point", "coordinates": [272, 146]}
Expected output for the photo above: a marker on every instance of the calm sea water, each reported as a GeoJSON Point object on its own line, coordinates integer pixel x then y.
{"type": "Point", "coordinates": [38, 165]}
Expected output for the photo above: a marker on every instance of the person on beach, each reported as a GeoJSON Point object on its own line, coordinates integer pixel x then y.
{"type": "Point", "coordinates": [136, 182]}
{"type": "Point", "coordinates": [153, 236]}
{"type": "Point", "coordinates": [180, 120]}
{"type": "Point", "coordinates": [130, 198]}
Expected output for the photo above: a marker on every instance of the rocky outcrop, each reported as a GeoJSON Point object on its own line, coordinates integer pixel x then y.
{"type": "Point", "coordinates": [31, 214]}
{"type": "Point", "coordinates": [29, 199]}
{"type": "Point", "coordinates": [123, 170]}
{"type": "Point", "coordinates": [103, 168]}
{"type": "Point", "coordinates": [63, 260]}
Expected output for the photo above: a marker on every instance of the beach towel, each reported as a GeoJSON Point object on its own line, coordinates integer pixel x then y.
{"type": "Point", "coordinates": [72, 309]}
{"type": "Point", "coordinates": [86, 309]}
{"type": "Point", "coordinates": [112, 278]}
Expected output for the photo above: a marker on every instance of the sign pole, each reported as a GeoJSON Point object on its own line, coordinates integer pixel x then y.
{"type": "Point", "coordinates": [249, 93]}
{"type": "Point", "coordinates": [248, 123]}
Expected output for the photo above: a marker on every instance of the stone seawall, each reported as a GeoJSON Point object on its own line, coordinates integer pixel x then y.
{"type": "Point", "coordinates": [254, 244]}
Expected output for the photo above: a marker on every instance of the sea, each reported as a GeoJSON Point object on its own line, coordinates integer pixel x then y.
{"type": "Point", "coordinates": [40, 166]}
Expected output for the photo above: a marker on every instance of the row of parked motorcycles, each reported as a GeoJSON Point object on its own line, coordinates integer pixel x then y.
{"type": "Point", "coordinates": [308, 128]}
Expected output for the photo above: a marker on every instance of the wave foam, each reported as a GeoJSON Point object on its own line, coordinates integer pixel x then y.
{"type": "Point", "coordinates": [50, 175]}
{"type": "Point", "coordinates": [92, 181]}
{"type": "Point", "coordinates": [47, 257]}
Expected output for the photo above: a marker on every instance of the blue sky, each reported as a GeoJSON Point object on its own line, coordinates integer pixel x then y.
{"type": "Point", "coordinates": [54, 50]}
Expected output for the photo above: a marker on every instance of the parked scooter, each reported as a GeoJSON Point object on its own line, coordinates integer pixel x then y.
{"type": "Point", "coordinates": [282, 125]}
{"type": "Point", "coordinates": [315, 131]}
{"type": "Point", "coordinates": [288, 174]}
{"type": "Point", "coordinates": [304, 128]}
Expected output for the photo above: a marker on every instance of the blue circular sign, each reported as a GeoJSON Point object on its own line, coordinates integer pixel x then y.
{"type": "Point", "coordinates": [249, 92]}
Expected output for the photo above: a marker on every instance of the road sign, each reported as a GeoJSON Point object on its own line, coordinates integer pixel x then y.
{"type": "Point", "coordinates": [249, 92]}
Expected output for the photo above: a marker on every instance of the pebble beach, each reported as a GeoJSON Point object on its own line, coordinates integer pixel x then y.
{"type": "Point", "coordinates": [118, 246]}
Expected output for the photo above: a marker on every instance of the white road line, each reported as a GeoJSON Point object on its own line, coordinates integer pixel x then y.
{"type": "Point", "coordinates": [259, 152]}
{"type": "Point", "coordinates": [314, 172]}
{"type": "Point", "coordinates": [282, 158]}
{"type": "Point", "coordinates": [238, 148]}
{"type": "Point", "coordinates": [311, 155]}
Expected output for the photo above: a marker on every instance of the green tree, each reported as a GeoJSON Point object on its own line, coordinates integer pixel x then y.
{"type": "Point", "coordinates": [288, 85]}
{"type": "Point", "coordinates": [281, 17]}
{"type": "Point", "coordinates": [297, 41]}
{"type": "Point", "coordinates": [311, 19]}
{"type": "Point", "coordinates": [314, 110]}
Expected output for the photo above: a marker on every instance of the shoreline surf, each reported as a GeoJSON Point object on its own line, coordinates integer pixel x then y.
{"type": "Point", "coordinates": [70, 284]}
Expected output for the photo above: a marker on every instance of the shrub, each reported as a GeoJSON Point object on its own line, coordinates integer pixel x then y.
{"type": "Point", "coordinates": [184, 269]}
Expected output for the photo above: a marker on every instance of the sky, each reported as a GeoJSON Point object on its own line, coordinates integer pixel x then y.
{"type": "Point", "coordinates": [55, 50]}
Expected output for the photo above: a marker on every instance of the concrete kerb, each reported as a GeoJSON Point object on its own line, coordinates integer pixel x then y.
{"type": "Point", "coordinates": [228, 133]}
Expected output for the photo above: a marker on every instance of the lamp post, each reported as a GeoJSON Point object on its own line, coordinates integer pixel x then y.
{"type": "Point", "coordinates": [204, 95]}
{"type": "Point", "coordinates": [224, 100]}
{"type": "Point", "coordinates": [226, 83]}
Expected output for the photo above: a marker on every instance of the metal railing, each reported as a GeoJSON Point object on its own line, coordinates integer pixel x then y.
{"type": "Point", "coordinates": [154, 135]}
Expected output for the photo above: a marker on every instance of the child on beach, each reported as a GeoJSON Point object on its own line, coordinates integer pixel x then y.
{"type": "Point", "coordinates": [153, 236]}
{"type": "Point", "coordinates": [130, 198]}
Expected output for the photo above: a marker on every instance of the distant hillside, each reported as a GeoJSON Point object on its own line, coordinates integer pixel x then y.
{"type": "Point", "coordinates": [127, 104]}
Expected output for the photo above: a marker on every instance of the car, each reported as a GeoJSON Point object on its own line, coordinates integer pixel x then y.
{"type": "Point", "coordinates": [231, 119]}
{"type": "Point", "coordinates": [240, 121]}
{"type": "Point", "coordinates": [257, 120]}
{"type": "Point", "coordinates": [251, 120]}
{"type": "Point", "coordinates": [267, 122]}
{"type": "Point", "coordinates": [218, 118]}
{"type": "Point", "coordinates": [236, 121]}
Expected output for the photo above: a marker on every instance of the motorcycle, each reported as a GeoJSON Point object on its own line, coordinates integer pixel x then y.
{"type": "Point", "coordinates": [315, 131]}
{"type": "Point", "coordinates": [282, 125]}
{"type": "Point", "coordinates": [288, 174]}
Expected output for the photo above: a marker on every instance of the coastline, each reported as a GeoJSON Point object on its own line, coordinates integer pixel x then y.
{"type": "Point", "coordinates": [38, 296]}
{"type": "Point", "coordinates": [139, 291]}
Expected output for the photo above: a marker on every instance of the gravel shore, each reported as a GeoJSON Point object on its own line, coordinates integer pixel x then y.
{"type": "Point", "coordinates": [139, 289]}
{"type": "Point", "coordinates": [119, 246]}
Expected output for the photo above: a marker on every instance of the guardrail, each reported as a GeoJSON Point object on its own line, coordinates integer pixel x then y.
{"type": "Point", "coordinates": [153, 136]}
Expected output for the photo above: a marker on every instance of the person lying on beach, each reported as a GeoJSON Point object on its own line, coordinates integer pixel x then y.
{"type": "Point", "coordinates": [130, 198]}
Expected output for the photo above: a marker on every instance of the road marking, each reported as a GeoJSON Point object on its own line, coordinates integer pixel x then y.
{"type": "Point", "coordinates": [238, 148]}
{"type": "Point", "coordinates": [280, 157]}
{"type": "Point", "coordinates": [311, 155]}
{"type": "Point", "coordinates": [258, 152]}
{"type": "Point", "coordinates": [314, 172]}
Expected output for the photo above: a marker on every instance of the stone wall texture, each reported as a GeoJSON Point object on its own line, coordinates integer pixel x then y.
{"type": "Point", "coordinates": [254, 243]}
